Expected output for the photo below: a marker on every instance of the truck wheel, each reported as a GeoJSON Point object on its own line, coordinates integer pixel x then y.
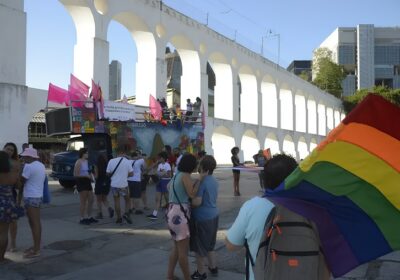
{"type": "Point", "coordinates": [67, 183]}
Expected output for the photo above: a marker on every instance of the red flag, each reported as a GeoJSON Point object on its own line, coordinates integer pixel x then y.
{"type": "Point", "coordinates": [95, 91]}
{"type": "Point", "coordinates": [79, 85]}
{"type": "Point", "coordinates": [57, 94]}
{"type": "Point", "coordinates": [155, 108]}
{"type": "Point", "coordinates": [203, 116]}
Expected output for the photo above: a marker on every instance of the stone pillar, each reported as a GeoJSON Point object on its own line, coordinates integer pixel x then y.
{"type": "Point", "coordinates": [278, 105]}
{"type": "Point", "coordinates": [101, 65]}
{"type": "Point", "coordinates": [307, 116]}
{"type": "Point", "coordinates": [294, 117]}
{"type": "Point", "coordinates": [236, 96]}
{"type": "Point", "coordinates": [259, 103]}
{"type": "Point", "coordinates": [161, 70]}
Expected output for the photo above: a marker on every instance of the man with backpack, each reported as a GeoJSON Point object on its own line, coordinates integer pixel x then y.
{"type": "Point", "coordinates": [279, 243]}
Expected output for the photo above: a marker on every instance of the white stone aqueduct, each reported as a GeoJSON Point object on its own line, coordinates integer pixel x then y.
{"type": "Point", "coordinates": [271, 107]}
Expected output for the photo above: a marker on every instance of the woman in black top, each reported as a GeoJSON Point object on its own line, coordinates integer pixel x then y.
{"type": "Point", "coordinates": [236, 173]}
{"type": "Point", "coordinates": [102, 187]}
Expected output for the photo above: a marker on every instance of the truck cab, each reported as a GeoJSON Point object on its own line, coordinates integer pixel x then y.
{"type": "Point", "coordinates": [64, 162]}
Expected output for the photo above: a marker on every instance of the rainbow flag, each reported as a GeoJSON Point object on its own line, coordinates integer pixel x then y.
{"type": "Point", "coordinates": [350, 186]}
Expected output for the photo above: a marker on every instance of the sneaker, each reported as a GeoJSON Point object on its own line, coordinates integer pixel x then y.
{"type": "Point", "coordinates": [197, 275]}
{"type": "Point", "coordinates": [99, 216]}
{"type": "Point", "coordinates": [84, 222]}
{"type": "Point", "coordinates": [138, 212]}
{"type": "Point", "coordinates": [213, 271]}
{"type": "Point", "coordinates": [127, 218]}
{"type": "Point", "coordinates": [110, 212]}
{"type": "Point", "coordinates": [152, 217]}
{"type": "Point", "coordinates": [92, 220]}
{"type": "Point", "coordinates": [119, 221]}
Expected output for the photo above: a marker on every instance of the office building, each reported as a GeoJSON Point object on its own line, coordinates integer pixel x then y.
{"type": "Point", "coordinates": [369, 54]}
{"type": "Point", "coordinates": [115, 80]}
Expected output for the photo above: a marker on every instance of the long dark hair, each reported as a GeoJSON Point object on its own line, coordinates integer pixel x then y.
{"type": "Point", "coordinates": [5, 165]}
{"type": "Point", "coordinates": [102, 164]}
{"type": "Point", "coordinates": [15, 153]}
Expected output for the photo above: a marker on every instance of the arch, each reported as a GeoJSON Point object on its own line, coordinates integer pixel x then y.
{"type": "Point", "coordinates": [249, 145]}
{"type": "Point", "coordinates": [302, 148]}
{"type": "Point", "coordinates": [271, 142]}
{"type": "Point", "coordinates": [329, 119]}
{"type": "Point", "coordinates": [312, 115]}
{"type": "Point", "coordinates": [145, 68]}
{"type": "Point", "coordinates": [222, 143]}
{"type": "Point", "coordinates": [301, 111]}
{"type": "Point", "coordinates": [286, 101]}
{"type": "Point", "coordinates": [223, 90]}
{"type": "Point", "coordinates": [85, 32]}
{"type": "Point", "coordinates": [269, 103]}
{"type": "Point", "coordinates": [321, 119]}
{"type": "Point", "coordinates": [337, 118]}
{"type": "Point", "coordinates": [248, 96]}
{"type": "Point", "coordinates": [191, 71]}
{"type": "Point", "coordinates": [313, 144]}
{"type": "Point", "coordinates": [288, 146]}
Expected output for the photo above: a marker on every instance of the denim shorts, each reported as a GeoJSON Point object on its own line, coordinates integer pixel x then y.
{"type": "Point", "coordinates": [35, 202]}
{"type": "Point", "coordinates": [120, 191]}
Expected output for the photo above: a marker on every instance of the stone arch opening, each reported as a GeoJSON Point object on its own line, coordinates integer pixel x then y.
{"type": "Point", "coordinates": [271, 142]}
{"type": "Point", "coordinates": [302, 148]}
{"type": "Point", "coordinates": [249, 145]}
{"type": "Point", "coordinates": [222, 143]}
{"type": "Point", "coordinates": [144, 73]}
{"type": "Point", "coordinates": [329, 119]}
{"type": "Point", "coordinates": [83, 50]}
{"type": "Point", "coordinates": [321, 119]}
{"type": "Point", "coordinates": [248, 96]}
{"type": "Point", "coordinates": [301, 113]}
{"type": "Point", "coordinates": [190, 77]}
{"type": "Point", "coordinates": [223, 86]}
{"type": "Point", "coordinates": [288, 146]}
{"type": "Point", "coordinates": [313, 144]}
{"type": "Point", "coordinates": [312, 115]}
{"type": "Point", "coordinates": [286, 101]}
{"type": "Point", "coordinates": [269, 103]}
{"type": "Point", "coordinates": [337, 118]}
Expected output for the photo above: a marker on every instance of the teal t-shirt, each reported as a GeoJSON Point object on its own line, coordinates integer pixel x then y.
{"type": "Point", "coordinates": [249, 225]}
{"type": "Point", "coordinates": [208, 191]}
{"type": "Point", "coordinates": [176, 182]}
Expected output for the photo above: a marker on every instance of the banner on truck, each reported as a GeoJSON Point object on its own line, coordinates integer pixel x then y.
{"type": "Point", "coordinates": [116, 111]}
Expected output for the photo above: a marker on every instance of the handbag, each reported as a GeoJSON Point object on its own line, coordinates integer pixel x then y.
{"type": "Point", "coordinates": [191, 222]}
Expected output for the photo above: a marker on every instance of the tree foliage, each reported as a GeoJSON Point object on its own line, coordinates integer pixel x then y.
{"type": "Point", "coordinates": [393, 95]}
{"type": "Point", "coordinates": [329, 75]}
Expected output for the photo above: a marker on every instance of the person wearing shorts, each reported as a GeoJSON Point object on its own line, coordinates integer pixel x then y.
{"type": "Point", "coordinates": [120, 168]}
{"type": "Point", "coordinates": [33, 177]}
{"type": "Point", "coordinates": [205, 216]}
{"type": "Point", "coordinates": [83, 181]}
{"type": "Point", "coordinates": [135, 182]}
{"type": "Point", "coordinates": [164, 173]}
{"type": "Point", "coordinates": [182, 187]}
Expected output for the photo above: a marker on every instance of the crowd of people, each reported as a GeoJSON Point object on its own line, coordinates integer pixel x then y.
{"type": "Point", "coordinates": [190, 202]}
{"type": "Point", "coordinates": [175, 113]}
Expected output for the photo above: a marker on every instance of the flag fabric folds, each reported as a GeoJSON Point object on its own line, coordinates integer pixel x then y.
{"type": "Point", "coordinates": [57, 94]}
{"type": "Point", "coordinates": [350, 186]}
{"type": "Point", "coordinates": [155, 108]}
{"type": "Point", "coordinates": [79, 86]}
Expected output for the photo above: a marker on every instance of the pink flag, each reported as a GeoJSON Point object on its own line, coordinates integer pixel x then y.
{"type": "Point", "coordinates": [57, 94]}
{"type": "Point", "coordinates": [79, 85]}
{"type": "Point", "coordinates": [203, 116]}
{"type": "Point", "coordinates": [155, 108]}
{"type": "Point", "coordinates": [95, 91]}
{"type": "Point", "coordinates": [75, 95]}
{"type": "Point", "coordinates": [100, 104]}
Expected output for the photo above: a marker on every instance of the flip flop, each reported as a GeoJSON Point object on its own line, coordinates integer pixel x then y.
{"type": "Point", "coordinates": [32, 254]}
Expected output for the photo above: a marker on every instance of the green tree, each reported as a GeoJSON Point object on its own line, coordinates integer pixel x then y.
{"type": "Point", "coordinates": [393, 95]}
{"type": "Point", "coordinates": [305, 75]}
{"type": "Point", "coordinates": [328, 74]}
